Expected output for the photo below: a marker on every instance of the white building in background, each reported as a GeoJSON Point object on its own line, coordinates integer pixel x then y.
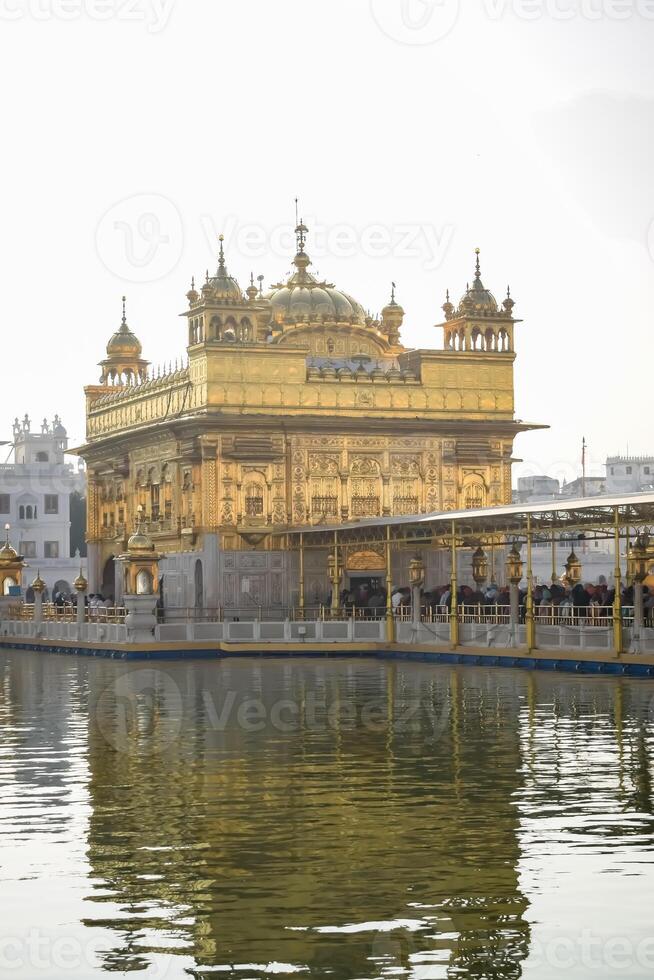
{"type": "Point", "coordinates": [35, 494]}
{"type": "Point", "coordinates": [629, 474]}
{"type": "Point", "coordinates": [532, 489]}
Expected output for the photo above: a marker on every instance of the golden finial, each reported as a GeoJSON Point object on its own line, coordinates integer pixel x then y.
{"type": "Point", "coordinates": [260, 279]}
{"type": "Point", "coordinates": [124, 320]}
{"type": "Point", "coordinates": [392, 292]}
{"type": "Point", "coordinates": [477, 266]}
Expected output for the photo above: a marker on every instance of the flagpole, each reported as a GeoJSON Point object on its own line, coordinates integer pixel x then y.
{"type": "Point", "coordinates": [583, 466]}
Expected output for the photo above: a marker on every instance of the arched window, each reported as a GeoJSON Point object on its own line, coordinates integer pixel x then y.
{"type": "Point", "coordinates": [28, 512]}
{"type": "Point", "coordinates": [255, 499]}
{"type": "Point", "coordinates": [366, 486]}
{"type": "Point", "coordinates": [21, 513]}
{"type": "Point", "coordinates": [41, 457]}
{"type": "Point", "coordinates": [474, 492]}
{"type": "Point", "coordinates": [215, 328]}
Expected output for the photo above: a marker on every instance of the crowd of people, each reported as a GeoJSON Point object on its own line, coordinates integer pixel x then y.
{"type": "Point", "coordinates": [556, 598]}
{"type": "Point", "coordinates": [95, 603]}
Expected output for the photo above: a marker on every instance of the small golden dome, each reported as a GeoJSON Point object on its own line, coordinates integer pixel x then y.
{"type": "Point", "coordinates": [8, 555]}
{"type": "Point", "coordinates": [222, 286]}
{"type": "Point", "coordinates": [38, 585]}
{"type": "Point", "coordinates": [478, 300]}
{"type": "Point", "coordinates": [140, 543]}
{"type": "Point", "coordinates": [123, 342]}
{"type": "Point", "coordinates": [80, 584]}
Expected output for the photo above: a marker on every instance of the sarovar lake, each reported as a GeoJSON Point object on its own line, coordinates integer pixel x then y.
{"type": "Point", "coordinates": [339, 818]}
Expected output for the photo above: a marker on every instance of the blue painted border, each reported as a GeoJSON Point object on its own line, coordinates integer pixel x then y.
{"type": "Point", "coordinates": [445, 657]}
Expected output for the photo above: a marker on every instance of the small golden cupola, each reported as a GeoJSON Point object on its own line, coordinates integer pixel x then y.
{"type": "Point", "coordinates": [11, 566]}
{"type": "Point", "coordinates": [392, 318]}
{"type": "Point", "coordinates": [124, 364]}
{"type": "Point", "coordinates": [479, 323]}
{"type": "Point", "coordinates": [221, 313]}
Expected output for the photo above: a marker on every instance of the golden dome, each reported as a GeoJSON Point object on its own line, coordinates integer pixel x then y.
{"type": "Point", "coordinates": [8, 555]}
{"type": "Point", "coordinates": [477, 300]}
{"type": "Point", "coordinates": [123, 342]}
{"type": "Point", "coordinates": [222, 286]}
{"type": "Point", "coordinates": [140, 543]}
{"type": "Point", "coordinates": [80, 584]}
{"type": "Point", "coordinates": [38, 585]}
{"type": "Point", "coordinates": [304, 299]}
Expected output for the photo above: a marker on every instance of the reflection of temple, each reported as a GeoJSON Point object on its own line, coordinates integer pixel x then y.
{"type": "Point", "coordinates": [296, 407]}
{"type": "Point", "coordinates": [397, 805]}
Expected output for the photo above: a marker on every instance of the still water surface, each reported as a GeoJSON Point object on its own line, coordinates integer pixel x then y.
{"type": "Point", "coordinates": [346, 819]}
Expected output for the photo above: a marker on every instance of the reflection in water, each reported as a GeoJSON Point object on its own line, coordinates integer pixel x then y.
{"type": "Point", "coordinates": [340, 818]}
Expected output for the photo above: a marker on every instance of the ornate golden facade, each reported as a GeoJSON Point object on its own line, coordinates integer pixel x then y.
{"type": "Point", "coordinates": [297, 407]}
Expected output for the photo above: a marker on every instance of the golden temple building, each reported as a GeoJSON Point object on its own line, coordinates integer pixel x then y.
{"type": "Point", "coordinates": [293, 407]}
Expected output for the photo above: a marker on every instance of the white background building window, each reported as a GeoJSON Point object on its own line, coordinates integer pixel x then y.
{"type": "Point", "coordinates": [51, 549]}
{"type": "Point", "coordinates": [51, 503]}
{"type": "Point", "coordinates": [28, 549]}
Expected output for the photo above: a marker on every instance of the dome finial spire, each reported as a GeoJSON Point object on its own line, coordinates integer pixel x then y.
{"type": "Point", "coordinates": [392, 292]}
{"type": "Point", "coordinates": [477, 265]}
{"type": "Point", "coordinates": [124, 320]}
{"type": "Point", "coordinates": [221, 255]}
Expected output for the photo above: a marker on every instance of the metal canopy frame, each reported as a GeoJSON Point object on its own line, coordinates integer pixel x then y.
{"type": "Point", "coordinates": [595, 518]}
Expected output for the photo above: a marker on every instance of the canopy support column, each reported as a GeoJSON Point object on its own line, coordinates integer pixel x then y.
{"type": "Point", "coordinates": [530, 622]}
{"type": "Point", "coordinates": [301, 581]}
{"type": "Point", "coordinates": [454, 588]}
{"type": "Point", "coordinates": [618, 636]}
{"type": "Point", "coordinates": [390, 619]}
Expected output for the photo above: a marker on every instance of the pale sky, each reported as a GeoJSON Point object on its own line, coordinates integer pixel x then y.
{"type": "Point", "coordinates": [136, 130]}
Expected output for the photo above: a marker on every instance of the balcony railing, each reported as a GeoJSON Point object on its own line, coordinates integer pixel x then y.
{"type": "Point", "coordinates": [324, 506]}
{"type": "Point", "coordinates": [254, 506]}
{"type": "Point", "coordinates": [406, 505]}
{"type": "Point", "coordinates": [365, 506]}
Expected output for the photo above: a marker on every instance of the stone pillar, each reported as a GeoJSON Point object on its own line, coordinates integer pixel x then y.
{"type": "Point", "coordinates": [38, 610]}
{"type": "Point", "coordinates": [80, 585]}
{"type": "Point", "coordinates": [416, 580]}
{"type": "Point", "coordinates": [211, 578]}
{"type": "Point", "coordinates": [93, 566]}
{"type": "Point", "coordinates": [141, 617]}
